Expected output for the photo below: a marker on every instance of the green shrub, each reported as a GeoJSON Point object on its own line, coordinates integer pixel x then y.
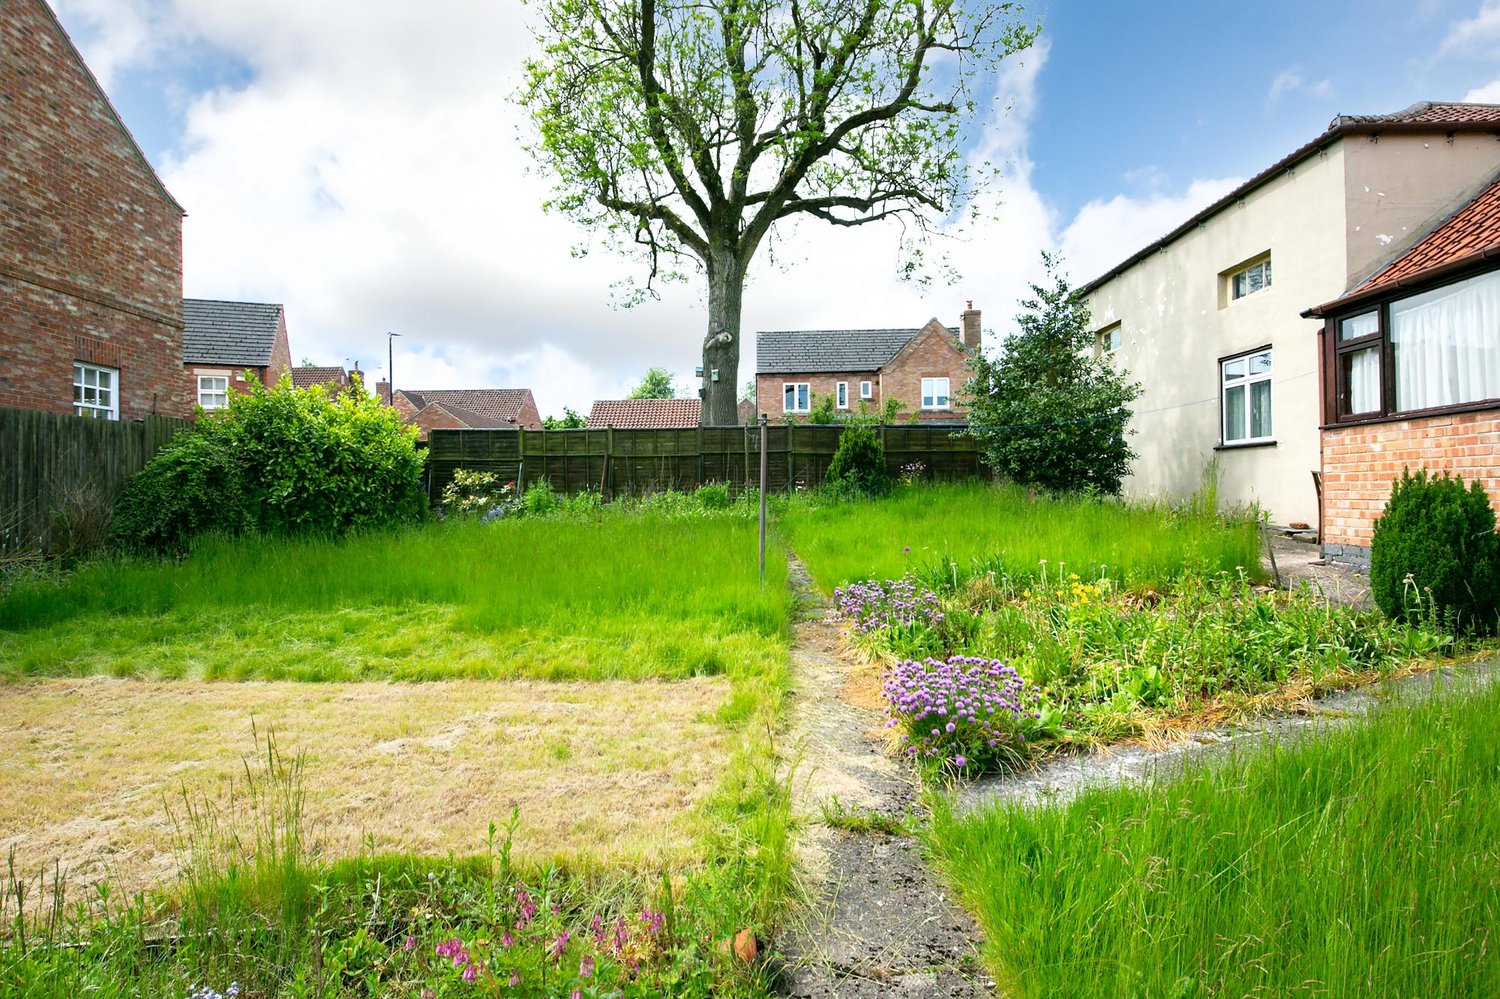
{"type": "Point", "coordinates": [278, 461]}
{"type": "Point", "coordinates": [540, 498]}
{"type": "Point", "coordinates": [473, 492]}
{"type": "Point", "coordinates": [1435, 550]}
{"type": "Point", "coordinates": [858, 466]}
{"type": "Point", "coordinates": [714, 496]}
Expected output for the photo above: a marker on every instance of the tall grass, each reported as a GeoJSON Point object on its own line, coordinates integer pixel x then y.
{"type": "Point", "coordinates": [1360, 863]}
{"type": "Point", "coordinates": [960, 529]}
{"type": "Point", "coordinates": [620, 595]}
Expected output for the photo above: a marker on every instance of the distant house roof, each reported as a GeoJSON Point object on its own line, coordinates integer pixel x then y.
{"type": "Point", "coordinates": [807, 351]}
{"type": "Point", "coordinates": [242, 333]}
{"type": "Point", "coordinates": [1464, 239]}
{"type": "Point", "coordinates": [309, 375]}
{"type": "Point", "coordinates": [1424, 116]}
{"type": "Point", "coordinates": [469, 418]}
{"type": "Point", "coordinates": [656, 414]}
{"type": "Point", "coordinates": [498, 407]}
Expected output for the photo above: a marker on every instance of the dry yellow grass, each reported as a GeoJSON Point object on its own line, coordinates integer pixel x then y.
{"type": "Point", "coordinates": [603, 773]}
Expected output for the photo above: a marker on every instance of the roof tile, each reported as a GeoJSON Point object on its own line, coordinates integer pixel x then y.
{"type": "Point", "coordinates": [807, 351]}
{"type": "Point", "coordinates": [655, 414]}
{"type": "Point", "coordinates": [216, 332]}
{"type": "Point", "coordinates": [503, 406]}
{"type": "Point", "coordinates": [1471, 229]}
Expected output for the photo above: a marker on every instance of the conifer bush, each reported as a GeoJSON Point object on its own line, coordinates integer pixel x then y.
{"type": "Point", "coordinates": [1435, 550]}
{"type": "Point", "coordinates": [858, 466]}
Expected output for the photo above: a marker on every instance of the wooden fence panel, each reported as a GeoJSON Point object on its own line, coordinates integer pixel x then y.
{"type": "Point", "coordinates": [49, 460]}
{"type": "Point", "coordinates": [623, 462]}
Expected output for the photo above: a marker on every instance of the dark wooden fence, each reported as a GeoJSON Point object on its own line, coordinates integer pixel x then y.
{"type": "Point", "coordinates": [54, 466]}
{"type": "Point", "coordinates": [617, 462]}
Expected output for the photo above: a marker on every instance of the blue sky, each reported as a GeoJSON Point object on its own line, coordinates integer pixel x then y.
{"type": "Point", "coordinates": [358, 162]}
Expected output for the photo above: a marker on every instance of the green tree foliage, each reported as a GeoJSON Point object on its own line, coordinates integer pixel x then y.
{"type": "Point", "coordinates": [279, 461]}
{"type": "Point", "coordinates": [1046, 411]}
{"type": "Point", "coordinates": [570, 420]}
{"type": "Point", "coordinates": [858, 466]}
{"type": "Point", "coordinates": [1435, 549]}
{"type": "Point", "coordinates": [686, 129]}
{"type": "Point", "coordinates": [656, 384]}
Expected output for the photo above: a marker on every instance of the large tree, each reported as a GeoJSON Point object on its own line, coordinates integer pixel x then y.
{"type": "Point", "coordinates": [657, 384]}
{"type": "Point", "coordinates": [689, 128]}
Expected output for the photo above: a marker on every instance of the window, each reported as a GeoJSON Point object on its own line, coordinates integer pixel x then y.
{"type": "Point", "coordinates": [842, 392]}
{"type": "Point", "coordinates": [866, 390]}
{"type": "Point", "coordinates": [796, 398]}
{"type": "Point", "coordinates": [1429, 351]}
{"type": "Point", "coordinates": [96, 391]}
{"type": "Point", "coordinates": [1251, 279]}
{"type": "Point", "coordinates": [213, 391]}
{"type": "Point", "coordinates": [1107, 340]}
{"type": "Point", "coordinates": [1246, 399]}
{"type": "Point", "coordinates": [934, 393]}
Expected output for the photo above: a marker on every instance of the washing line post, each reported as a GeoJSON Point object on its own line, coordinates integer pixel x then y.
{"type": "Point", "coordinates": [763, 502]}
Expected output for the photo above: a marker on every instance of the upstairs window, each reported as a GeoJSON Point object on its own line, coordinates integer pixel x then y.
{"type": "Point", "coordinates": [866, 390]}
{"type": "Point", "coordinates": [935, 393]}
{"type": "Point", "coordinates": [213, 391]}
{"type": "Point", "coordinates": [843, 395]}
{"type": "Point", "coordinates": [1107, 340]}
{"type": "Point", "coordinates": [1249, 280]}
{"type": "Point", "coordinates": [96, 391]}
{"type": "Point", "coordinates": [796, 398]}
{"type": "Point", "coordinates": [1246, 398]}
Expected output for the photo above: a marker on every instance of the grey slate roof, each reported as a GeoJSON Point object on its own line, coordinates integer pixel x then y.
{"type": "Point", "coordinates": [241, 333]}
{"type": "Point", "coordinates": [793, 352]}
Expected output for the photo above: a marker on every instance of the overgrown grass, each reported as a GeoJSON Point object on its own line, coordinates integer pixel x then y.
{"type": "Point", "coordinates": [1360, 863]}
{"type": "Point", "coordinates": [615, 595]}
{"type": "Point", "coordinates": [965, 529]}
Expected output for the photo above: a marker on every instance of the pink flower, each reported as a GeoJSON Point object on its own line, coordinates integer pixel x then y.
{"type": "Point", "coordinates": [471, 973]}
{"type": "Point", "coordinates": [586, 967]}
{"type": "Point", "coordinates": [411, 943]}
{"type": "Point", "coordinates": [506, 940]}
{"type": "Point", "coordinates": [515, 979]}
{"type": "Point", "coordinates": [560, 944]}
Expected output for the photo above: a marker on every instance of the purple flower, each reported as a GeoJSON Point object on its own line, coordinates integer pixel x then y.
{"type": "Point", "coordinates": [586, 967]}
{"type": "Point", "coordinates": [470, 973]}
{"type": "Point", "coordinates": [559, 945]}
{"type": "Point", "coordinates": [410, 944]}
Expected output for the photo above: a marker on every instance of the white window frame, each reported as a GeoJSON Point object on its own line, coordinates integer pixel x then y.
{"type": "Point", "coordinates": [929, 391]}
{"type": "Point", "coordinates": [211, 391]}
{"type": "Point", "coordinates": [1107, 340]}
{"type": "Point", "coordinates": [1262, 266]}
{"type": "Point", "coordinates": [801, 397]}
{"type": "Point", "coordinates": [1228, 381]}
{"type": "Point", "coordinates": [105, 404]}
{"type": "Point", "coordinates": [866, 390]}
{"type": "Point", "coordinates": [841, 395]}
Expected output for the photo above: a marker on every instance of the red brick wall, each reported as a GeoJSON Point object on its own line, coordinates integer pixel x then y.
{"type": "Point", "coordinates": [1360, 464]}
{"type": "Point", "coordinates": [771, 399]}
{"type": "Point", "coordinates": [529, 418]}
{"type": "Point", "coordinates": [90, 244]}
{"type": "Point", "coordinates": [932, 353]}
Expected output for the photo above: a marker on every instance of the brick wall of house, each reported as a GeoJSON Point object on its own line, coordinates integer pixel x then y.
{"type": "Point", "coordinates": [1360, 464]}
{"type": "Point", "coordinates": [529, 418]}
{"type": "Point", "coordinates": [281, 354]}
{"type": "Point", "coordinates": [770, 390]}
{"type": "Point", "coordinates": [932, 353]}
{"type": "Point", "coordinates": [90, 243]}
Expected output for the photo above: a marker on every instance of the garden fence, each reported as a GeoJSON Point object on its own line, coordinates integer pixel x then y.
{"type": "Point", "coordinates": [56, 468]}
{"type": "Point", "coordinates": [615, 462]}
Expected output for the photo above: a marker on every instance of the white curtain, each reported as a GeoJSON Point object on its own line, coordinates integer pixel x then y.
{"type": "Point", "coordinates": [1447, 344]}
{"type": "Point", "coordinates": [1363, 379]}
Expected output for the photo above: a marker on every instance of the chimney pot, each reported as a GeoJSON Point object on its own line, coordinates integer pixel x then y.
{"type": "Point", "coordinates": [971, 329]}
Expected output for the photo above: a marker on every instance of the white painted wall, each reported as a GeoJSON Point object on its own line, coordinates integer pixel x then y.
{"type": "Point", "coordinates": [1323, 231]}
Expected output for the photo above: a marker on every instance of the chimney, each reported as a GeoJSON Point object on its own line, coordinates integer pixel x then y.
{"type": "Point", "coordinates": [383, 391]}
{"type": "Point", "coordinates": [971, 326]}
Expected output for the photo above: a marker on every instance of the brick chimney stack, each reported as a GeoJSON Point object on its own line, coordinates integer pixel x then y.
{"type": "Point", "coordinates": [383, 391]}
{"type": "Point", "coordinates": [971, 326]}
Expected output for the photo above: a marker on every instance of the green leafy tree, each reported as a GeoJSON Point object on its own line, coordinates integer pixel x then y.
{"type": "Point", "coordinates": [278, 461]}
{"type": "Point", "coordinates": [687, 129]}
{"type": "Point", "coordinates": [657, 384]}
{"type": "Point", "coordinates": [1046, 410]}
{"type": "Point", "coordinates": [570, 420]}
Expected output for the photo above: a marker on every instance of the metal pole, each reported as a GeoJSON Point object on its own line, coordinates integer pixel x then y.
{"type": "Point", "coordinates": [390, 368]}
{"type": "Point", "coordinates": [762, 501]}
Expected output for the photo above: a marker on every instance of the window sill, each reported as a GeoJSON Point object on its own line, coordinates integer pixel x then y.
{"type": "Point", "coordinates": [1414, 414]}
{"type": "Point", "coordinates": [1243, 445]}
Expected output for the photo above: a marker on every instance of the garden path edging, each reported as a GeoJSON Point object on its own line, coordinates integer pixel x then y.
{"type": "Point", "coordinates": [881, 924]}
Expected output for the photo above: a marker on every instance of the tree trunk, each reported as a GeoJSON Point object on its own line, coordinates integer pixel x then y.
{"type": "Point", "coordinates": [721, 347]}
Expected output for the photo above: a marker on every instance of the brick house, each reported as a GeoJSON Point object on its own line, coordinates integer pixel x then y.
{"type": "Point", "coordinates": [1228, 368]}
{"type": "Point", "coordinates": [652, 414]}
{"type": "Point", "coordinates": [335, 379]}
{"type": "Point", "coordinates": [1410, 374]}
{"type": "Point", "coordinates": [90, 240]}
{"type": "Point", "coordinates": [225, 344]}
{"type": "Point", "coordinates": [921, 369]}
{"type": "Point", "coordinates": [464, 409]}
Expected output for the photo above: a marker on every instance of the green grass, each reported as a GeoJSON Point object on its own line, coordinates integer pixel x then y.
{"type": "Point", "coordinates": [983, 528]}
{"type": "Point", "coordinates": [618, 595]}
{"type": "Point", "coordinates": [1361, 863]}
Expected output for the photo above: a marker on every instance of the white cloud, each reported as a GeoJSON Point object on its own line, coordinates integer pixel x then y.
{"type": "Point", "coordinates": [1487, 94]}
{"type": "Point", "coordinates": [1105, 232]}
{"type": "Point", "coordinates": [1291, 81]}
{"type": "Point", "coordinates": [1477, 36]}
{"type": "Point", "coordinates": [121, 34]}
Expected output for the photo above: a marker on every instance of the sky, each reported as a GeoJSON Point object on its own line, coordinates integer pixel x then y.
{"type": "Point", "coordinates": [361, 162]}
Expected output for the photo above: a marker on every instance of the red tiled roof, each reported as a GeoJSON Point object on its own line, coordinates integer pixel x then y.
{"type": "Point", "coordinates": [1468, 235]}
{"type": "Point", "coordinates": [501, 405]}
{"type": "Point", "coordinates": [1471, 229]}
{"type": "Point", "coordinates": [307, 377]}
{"type": "Point", "coordinates": [1422, 117]}
{"type": "Point", "coordinates": [655, 414]}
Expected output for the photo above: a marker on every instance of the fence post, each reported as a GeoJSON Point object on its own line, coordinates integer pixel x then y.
{"type": "Point", "coordinates": [700, 455]}
{"type": "Point", "coordinates": [521, 460]}
{"type": "Point", "coordinates": [791, 457]}
{"type": "Point", "coordinates": [762, 501]}
{"type": "Point", "coordinates": [609, 459]}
